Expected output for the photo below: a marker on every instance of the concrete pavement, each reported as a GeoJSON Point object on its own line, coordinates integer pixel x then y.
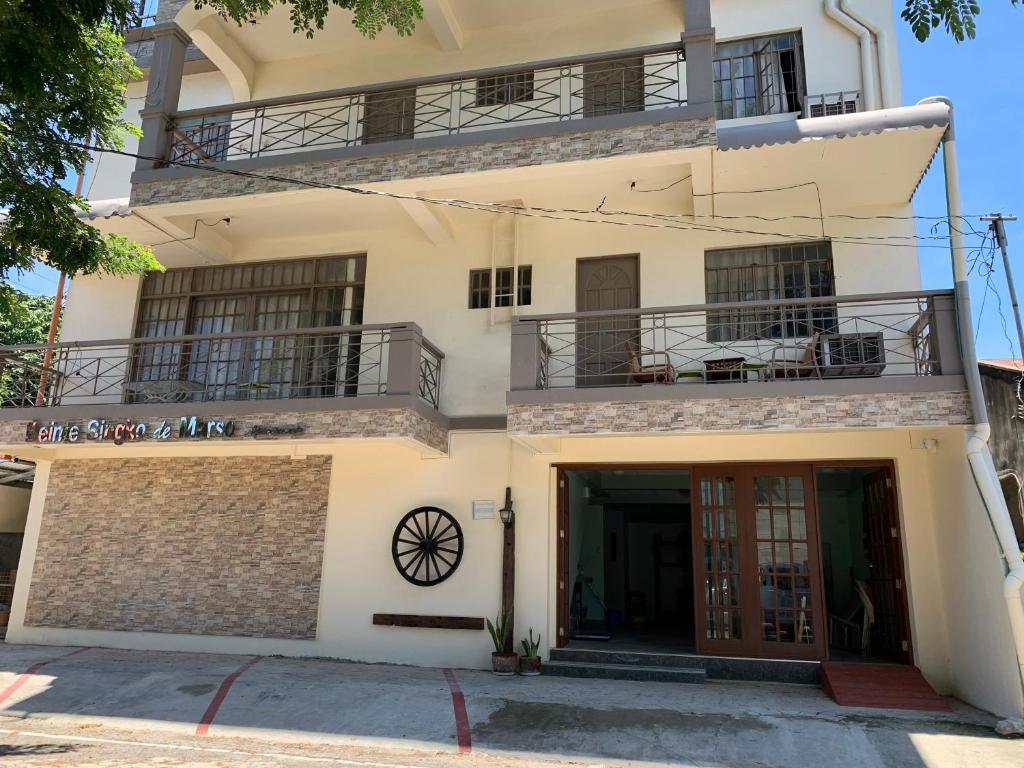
{"type": "Point", "coordinates": [135, 707]}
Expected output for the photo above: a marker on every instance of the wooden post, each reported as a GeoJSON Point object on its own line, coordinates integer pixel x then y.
{"type": "Point", "coordinates": [508, 574]}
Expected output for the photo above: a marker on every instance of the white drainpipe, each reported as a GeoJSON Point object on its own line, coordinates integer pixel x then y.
{"type": "Point", "coordinates": [978, 455]}
{"type": "Point", "coordinates": [867, 69]}
{"type": "Point", "coordinates": [881, 50]}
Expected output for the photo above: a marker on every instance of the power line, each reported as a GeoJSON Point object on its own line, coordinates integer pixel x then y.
{"type": "Point", "coordinates": [540, 212]}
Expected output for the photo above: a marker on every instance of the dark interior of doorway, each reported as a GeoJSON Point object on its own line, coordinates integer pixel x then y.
{"type": "Point", "coordinates": [862, 565]}
{"type": "Point", "coordinates": [630, 559]}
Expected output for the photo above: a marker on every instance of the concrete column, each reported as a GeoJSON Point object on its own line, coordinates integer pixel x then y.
{"type": "Point", "coordinates": [699, 39]}
{"type": "Point", "coordinates": [526, 355]}
{"type": "Point", "coordinates": [164, 87]}
{"type": "Point", "coordinates": [945, 341]}
{"type": "Point", "coordinates": [404, 352]}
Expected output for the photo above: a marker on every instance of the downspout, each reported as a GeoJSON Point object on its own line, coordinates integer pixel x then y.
{"type": "Point", "coordinates": [881, 51]}
{"type": "Point", "coordinates": [978, 455]}
{"type": "Point", "coordinates": [867, 70]}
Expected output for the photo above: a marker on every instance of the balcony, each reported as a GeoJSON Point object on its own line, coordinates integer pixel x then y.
{"type": "Point", "coordinates": [528, 94]}
{"type": "Point", "coordinates": [828, 362]}
{"type": "Point", "coordinates": [318, 377]}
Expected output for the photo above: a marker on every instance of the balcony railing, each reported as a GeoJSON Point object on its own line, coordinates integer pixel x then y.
{"type": "Point", "coordinates": [599, 85]}
{"type": "Point", "coordinates": [904, 334]}
{"type": "Point", "coordinates": [342, 361]}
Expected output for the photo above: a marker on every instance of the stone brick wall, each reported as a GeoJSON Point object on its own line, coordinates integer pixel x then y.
{"type": "Point", "coordinates": [488, 155]}
{"type": "Point", "coordinates": [212, 546]}
{"type": "Point", "coordinates": [900, 409]}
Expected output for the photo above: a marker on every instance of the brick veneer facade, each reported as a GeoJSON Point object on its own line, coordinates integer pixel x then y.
{"type": "Point", "coordinates": [901, 409]}
{"type": "Point", "coordinates": [438, 161]}
{"type": "Point", "coordinates": [212, 546]}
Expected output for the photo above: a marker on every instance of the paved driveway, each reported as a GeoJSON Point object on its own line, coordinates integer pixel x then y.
{"type": "Point", "coordinates": [388, 715]}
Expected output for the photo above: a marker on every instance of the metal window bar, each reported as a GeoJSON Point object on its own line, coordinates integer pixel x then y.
{"type": "Point", "coordinates": [641, 79]}
{"type": "Point", "coordinates": [856, 337]}
{"type": "Point", "coordinates": [340, 361]}
{"type": "Point", "coordinates": [829, 104]}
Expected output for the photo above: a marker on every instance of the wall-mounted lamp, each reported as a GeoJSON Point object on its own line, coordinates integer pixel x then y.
{"type": "Point", "coordinates": [506, 513]}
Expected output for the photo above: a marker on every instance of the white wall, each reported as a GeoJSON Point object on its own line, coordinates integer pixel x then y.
{"type": "Point", "coordinates": [13, 508]}
{"type": "Point", "coordinates": [958, 635]}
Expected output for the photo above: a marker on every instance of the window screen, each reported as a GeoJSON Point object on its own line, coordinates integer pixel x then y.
{"type": "Point", "coordinates": [769, 273]}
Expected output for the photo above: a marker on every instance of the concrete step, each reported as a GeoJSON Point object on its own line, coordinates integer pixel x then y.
{"type": "Point", "coordinates": [624, 672]}
{"type": "Point", "coordinates": [639, 659]}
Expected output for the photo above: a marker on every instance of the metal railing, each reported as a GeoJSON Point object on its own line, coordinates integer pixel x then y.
{"type": "Point", "coordinates": [829, 104]}
{"type": "Point", "coordinates": [899, 334]}
{"type": "Point", "coordinates": [636, 80]}
{"type": "Point", "coordinates": [341, 361]}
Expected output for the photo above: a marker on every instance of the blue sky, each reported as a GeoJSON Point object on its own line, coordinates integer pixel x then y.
{"type": "Point", "coordinates": [984, 79]}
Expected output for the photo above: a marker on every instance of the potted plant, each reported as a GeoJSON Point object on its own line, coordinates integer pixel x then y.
{"type": "Point", "coordinates": [502, 663]}
{"type": "Point", "coordinates": [529, 662]}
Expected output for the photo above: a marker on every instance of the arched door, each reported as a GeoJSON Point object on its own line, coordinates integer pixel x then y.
{"type": "Point", "coordinates": [606, 284]}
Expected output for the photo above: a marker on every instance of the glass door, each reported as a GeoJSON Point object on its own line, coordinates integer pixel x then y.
{"type": "Point", "coordinates": [757, 569]}
{"type": "Point", "coordinates": [718, 532]}
{"type": "Point", "coordinates": [786, 545]}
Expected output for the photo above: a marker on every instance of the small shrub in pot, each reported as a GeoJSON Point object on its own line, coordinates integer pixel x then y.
{"type": "Point", "coordinates": [529, 662]}
{"type": "Point", "coordinates": [502, 663]}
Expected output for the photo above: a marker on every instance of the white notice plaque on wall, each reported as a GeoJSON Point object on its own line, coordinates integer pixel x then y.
{"type": "Point", "coordinates": [483, 510]}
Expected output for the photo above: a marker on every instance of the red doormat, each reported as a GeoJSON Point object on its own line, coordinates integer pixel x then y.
{"type": "Point", "coordinates": [885, 686]}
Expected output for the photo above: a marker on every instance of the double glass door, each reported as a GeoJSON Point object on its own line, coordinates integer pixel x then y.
{"type": "Point", "coordinates": [756, 562]}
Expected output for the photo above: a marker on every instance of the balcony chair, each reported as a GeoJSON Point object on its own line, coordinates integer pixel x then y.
{"type": "Point", "coordinates": [644, 369]}
{"type": "Point", "coordinates": [801, 361]}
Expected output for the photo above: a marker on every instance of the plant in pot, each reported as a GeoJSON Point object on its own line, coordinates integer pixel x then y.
{"type": "Point", "coordinates": [502, 663]}
{"type": "Point", "coordinates": [529, 662]}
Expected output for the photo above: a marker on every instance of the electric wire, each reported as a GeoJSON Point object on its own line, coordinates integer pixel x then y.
{"type": "Point", "coordinates": [538, 212]}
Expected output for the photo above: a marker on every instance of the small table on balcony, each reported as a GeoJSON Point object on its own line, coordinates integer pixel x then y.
{"type": "Point", "coordinates": [724, 369]}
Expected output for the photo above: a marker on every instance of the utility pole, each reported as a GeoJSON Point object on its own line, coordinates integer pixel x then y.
{"type": "Point", "coordinates": [995, 225]}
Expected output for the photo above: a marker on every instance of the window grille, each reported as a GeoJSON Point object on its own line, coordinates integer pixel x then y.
{"type": "Point", "coordinates": [504, 89]}
{"type": "Point", "coordinates": [769, 273]}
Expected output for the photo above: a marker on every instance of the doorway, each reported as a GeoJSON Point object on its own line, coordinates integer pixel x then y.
{"type": "Point", "coordinates": [605, 284]}
{"type": "Point", "coordinates": [862, 564]}
{"type": "Point", "coordinates": [628, 556]}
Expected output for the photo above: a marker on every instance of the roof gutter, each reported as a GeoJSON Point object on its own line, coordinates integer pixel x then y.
{"type": "Point", "coordinates": [867, 69]}
{"type": "Point", "coordinates": [881, 50]}
{"type": "Point", "coordinates": [979, 456]}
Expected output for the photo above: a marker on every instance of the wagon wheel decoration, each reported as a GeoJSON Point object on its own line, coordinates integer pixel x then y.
{"type": "Point", "coordinates": [427, 546]}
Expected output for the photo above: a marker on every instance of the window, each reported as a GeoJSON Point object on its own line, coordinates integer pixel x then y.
{"type": "Point", "coordinates": [504, 89]}
{"type": "Point", "coordinates": [759, 76]}
{"type": "Point", "coordinates": [271, 296]}
{"type": "Point", "coordinates": [613, 87]}
{"type": "Point", "coordinates": [770, 273]}
{"type": "Point", "coordinates": [480, 287]}
{"type": "Point", "coordinates": [389, 116]}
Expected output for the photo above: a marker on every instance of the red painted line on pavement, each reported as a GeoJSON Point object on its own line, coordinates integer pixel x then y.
{"type": "Point", "coordinates": [462, 731]}
{"type": "Point", "coordinates": [218, 698]}
{"type": "Point", "coordinates": [25, 676]}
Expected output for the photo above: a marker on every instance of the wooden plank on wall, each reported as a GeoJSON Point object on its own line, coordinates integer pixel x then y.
{"type": "Point", "coordinates": [427, 622]}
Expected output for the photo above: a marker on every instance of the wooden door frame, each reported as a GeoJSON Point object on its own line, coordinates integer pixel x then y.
{"type": "Point", "coordinates": [563, 596]}
{"type": "Point", "coordinates": [902, 601]}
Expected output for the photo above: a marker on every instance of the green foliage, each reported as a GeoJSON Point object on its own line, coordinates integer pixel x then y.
{"type": "Point", "coordinates": [369, 16]}
{"type": "Point", "coordinates": [957, 16]}
{"type": "Point", "coordinates": [63, 69]}
{"type": "Point", "coordinates": [25, 320]}
{"type": "Point", "coordinates": [500, 630]}
{"type": "Point", "coordinates": [530, 646]}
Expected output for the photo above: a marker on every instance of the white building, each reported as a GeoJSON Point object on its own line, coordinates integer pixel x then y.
{"type": "Point", "coordinates": [650, 264]}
